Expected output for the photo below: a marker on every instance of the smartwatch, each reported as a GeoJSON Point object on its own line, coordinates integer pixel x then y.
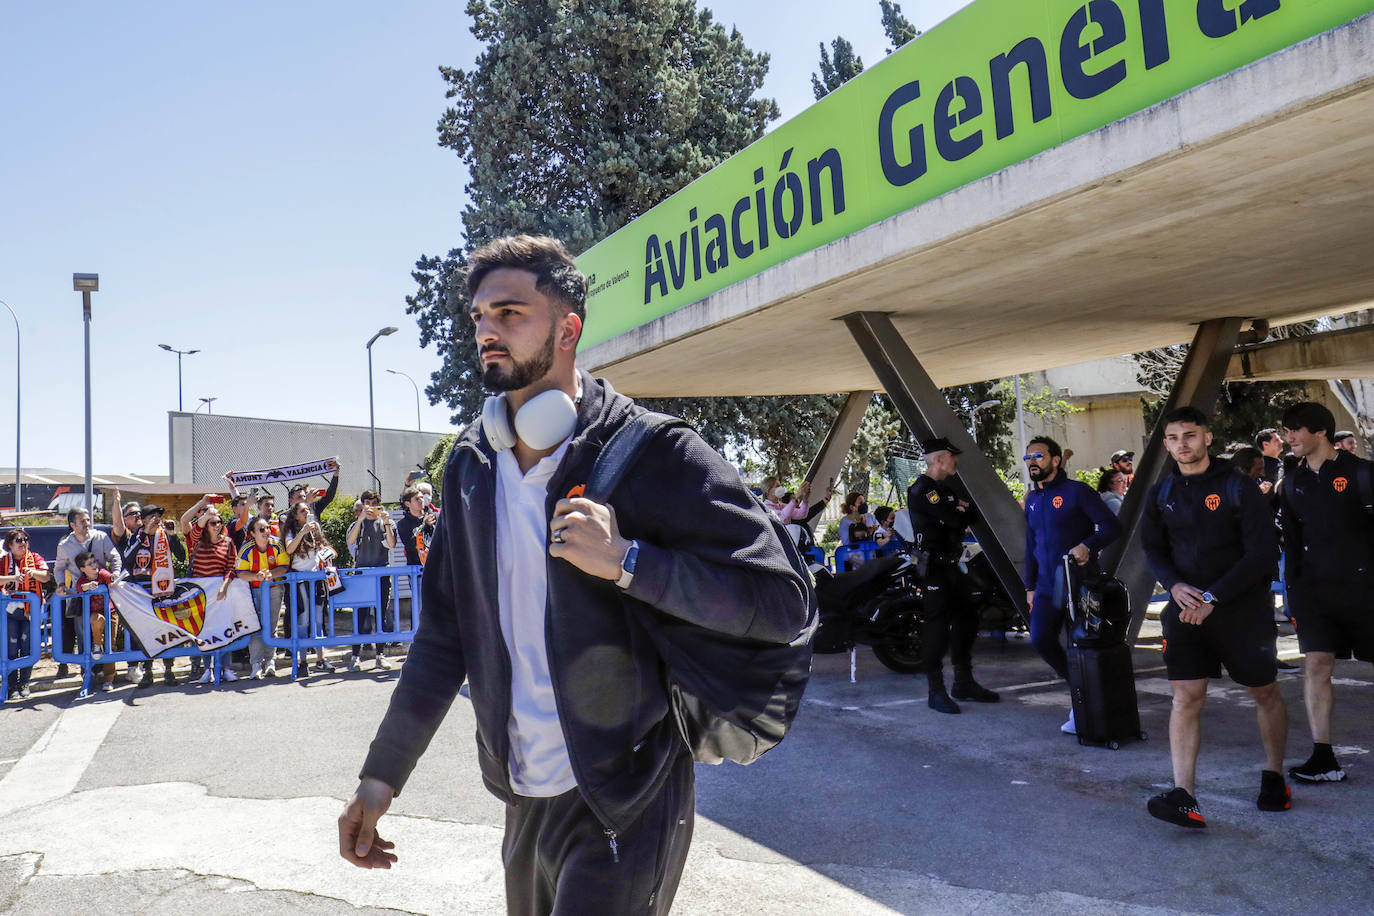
{"type": "Point", "coordinates": [627, 565]}
{"type": "Point", "coordinates": [1209, 598]}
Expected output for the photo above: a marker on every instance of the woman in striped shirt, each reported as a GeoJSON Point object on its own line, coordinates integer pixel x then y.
{"type": "Point", "coordinates": [212, 555]}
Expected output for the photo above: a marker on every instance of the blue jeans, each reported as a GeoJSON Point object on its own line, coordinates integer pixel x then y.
{"type": "Point", "coordinates": [17, 645]}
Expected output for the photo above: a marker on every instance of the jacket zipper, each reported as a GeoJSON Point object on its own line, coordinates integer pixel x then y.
{"type": "Point", "coordinates": [503, 749]}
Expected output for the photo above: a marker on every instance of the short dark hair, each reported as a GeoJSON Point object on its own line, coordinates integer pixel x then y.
{"type": "Point", "coordinates": [1244, 458]}
{"type": "Point", "coordinates": [370, 494]}
{"type": "Point", "coordinates": [1052, 446]}
{"type": "Point", "coordinates": [1265, 435]}
{"type": "Point", "coordinates": [83, 558]}
{"type": "Point", "coordinates": [1187, 414]}
{"type": "Point", "coordinates": [297, 488]}
{"type": "Point", "coordinates": [881, 513]}
{"type": "Point", "coordinates": [263, 496]}
{"type": "Point", "coordinates": [238, 500]}
{"type": "Point", "coordinates": [1104, 480]}
{"type": "Point", "coordinates": [409, 493]}
{"type": "Point", "coordinates": [1311, 416]}
{"type": "Point", "coordinates": [555, 272]}
{"type": "Point", "coordinates": [74, 513]}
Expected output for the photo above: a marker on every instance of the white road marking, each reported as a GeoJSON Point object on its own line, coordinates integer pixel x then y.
{"type": "Point", "coordinates": [54, 765]}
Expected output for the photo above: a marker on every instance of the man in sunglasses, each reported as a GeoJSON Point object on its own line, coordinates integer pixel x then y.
{"type": "Point", "coordinates": [1124, 461]}
{"type": "Point", "coordinates": [1063, 517]}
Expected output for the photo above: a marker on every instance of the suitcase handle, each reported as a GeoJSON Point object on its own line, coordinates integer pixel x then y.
{"type": "Point", "coordinates": [1069, 594]}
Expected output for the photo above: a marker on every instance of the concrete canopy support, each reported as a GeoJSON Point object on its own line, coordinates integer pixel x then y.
{"type": "Point", "coordinates": [1002, 531]}
{"type": "Point", "coordinates": [1199, 380]}
{"type": "Point", "coordinates": [825, 467]}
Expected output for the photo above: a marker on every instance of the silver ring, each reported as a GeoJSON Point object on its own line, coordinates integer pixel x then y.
{"type": "Point", "coordinates": [558, 536]}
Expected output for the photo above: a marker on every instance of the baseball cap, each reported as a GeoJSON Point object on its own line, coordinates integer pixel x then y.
{"type": "Point", "coordinates": [938, 444]}
{"type": "Point", "coordinates": [1122, 453]}
{"type": "Point", "coordinates": [151, 509]}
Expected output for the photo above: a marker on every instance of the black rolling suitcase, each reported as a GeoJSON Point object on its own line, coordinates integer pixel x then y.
{"type": "Point", "coordinates": [1101, 680]}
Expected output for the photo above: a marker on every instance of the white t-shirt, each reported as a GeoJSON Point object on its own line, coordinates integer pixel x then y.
{"type": "Point", "coordinates": [539, 764]}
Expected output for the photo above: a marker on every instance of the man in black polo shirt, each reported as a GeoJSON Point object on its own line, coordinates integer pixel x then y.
{"type": "Point", "coordinates": [1328, 536]}
{"type": "Point", "coordinates": [1210, 541]}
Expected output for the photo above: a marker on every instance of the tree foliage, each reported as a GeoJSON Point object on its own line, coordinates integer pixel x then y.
{"type": "Point", "coordinates": [838, 66]}
{"type": "Point", "coordinates": [576, 118]}
{"type": "Point", "coordinates": [897, 27]}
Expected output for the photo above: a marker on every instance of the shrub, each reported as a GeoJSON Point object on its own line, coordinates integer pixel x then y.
{"type": "Point", "coordinates": [336, 519]}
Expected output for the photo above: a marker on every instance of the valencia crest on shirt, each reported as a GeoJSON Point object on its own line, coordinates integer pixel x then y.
{"type": "Point", "coordinates": [933, 497]}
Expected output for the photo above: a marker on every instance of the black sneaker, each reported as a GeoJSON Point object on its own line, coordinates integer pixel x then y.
{"type": "Point", "coordinates": [147, 679]}
{"type": "Point", "coordinates": [1177, 807]}
{"type": "Point", "coordinates": [1318, 768]}
{"type": "Point", "coordinates": [1274, 792]}
{"type": "Point", "coordinates": [972, 690]}
{"type": "Point", "coordinates": [168, 677]}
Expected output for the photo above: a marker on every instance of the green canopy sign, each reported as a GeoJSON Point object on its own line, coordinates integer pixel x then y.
{"type": "Point", "coordinates": [997, 83]}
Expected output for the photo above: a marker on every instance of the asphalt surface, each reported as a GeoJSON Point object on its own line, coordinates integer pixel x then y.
{"type": "Point", "coordinates": [192, 798]}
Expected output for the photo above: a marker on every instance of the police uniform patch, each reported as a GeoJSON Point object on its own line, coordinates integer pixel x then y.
{"type": "Point", "coordinates": [933, 497]}
{"type": "Point", "coordinates": [1339, 484]}
{"type": "Point", "coordinates": [1058, 501]}
{"type": "Point", "coordinates": [1212, 502]}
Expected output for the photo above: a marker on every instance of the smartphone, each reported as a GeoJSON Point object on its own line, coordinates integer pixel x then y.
{"type": "Point", "coordinates": [214, 498]}
{"type": "Point", "coordinates": [319, 493]}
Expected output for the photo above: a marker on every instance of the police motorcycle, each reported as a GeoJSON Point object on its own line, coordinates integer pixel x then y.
{"type": "Point", "coordinates": [877, 604]}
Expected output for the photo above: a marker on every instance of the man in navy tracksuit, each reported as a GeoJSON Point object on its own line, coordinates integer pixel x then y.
{"type": "Point", "coordinates": [529, 593]}
{"type": "Point", "coordinates": [1209, 539]}
{"type": "Point", "coordinates": [1063, 516]}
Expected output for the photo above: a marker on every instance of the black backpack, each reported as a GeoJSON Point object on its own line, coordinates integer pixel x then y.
{"type": "Point", "coordinates": [732, 698]}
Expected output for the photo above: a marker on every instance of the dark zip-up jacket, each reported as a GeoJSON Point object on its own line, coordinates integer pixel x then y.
{"type": "Point", "coordinates": [708, 555]}
{"type": "Point", "coordinates": [1203, 539]}
{"type": "Point", "coordinates": [936, 519]}
{"type": "Point", "coordinates": [1328, 538]}
{"type": "Point", "coordinates": [1061, 514]}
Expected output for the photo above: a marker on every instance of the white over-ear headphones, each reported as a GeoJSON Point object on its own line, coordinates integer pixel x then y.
{"type": "Point", "coordinates": [541, 422]}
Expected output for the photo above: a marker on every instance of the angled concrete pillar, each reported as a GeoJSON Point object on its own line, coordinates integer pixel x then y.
{"type": "Point", "coordinates": [1002, 531]}
{"type": "Point", "coordinates": [826, 466]}
{"type": "Point", "coordinates": [1199, 380]}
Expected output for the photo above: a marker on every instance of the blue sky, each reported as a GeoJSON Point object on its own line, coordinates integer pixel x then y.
{"type": "Point", "coordinates": [254, 180]}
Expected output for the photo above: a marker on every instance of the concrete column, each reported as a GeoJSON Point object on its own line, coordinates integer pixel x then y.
{"type": "Point", "coordinates": [826, 466]}
{"type": "Point", "coordinates": [1002, 531]}
{"type": "Point", "coordinates": [1199, 380]}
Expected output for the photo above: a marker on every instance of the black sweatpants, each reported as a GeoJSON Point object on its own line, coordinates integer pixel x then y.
{"type": "Point", "coordinates": [951, 620]}
{"type": "Point", "coordinates": [560, 860]}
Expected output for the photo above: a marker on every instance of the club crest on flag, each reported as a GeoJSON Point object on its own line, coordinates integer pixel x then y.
{"type": "Point", "coordinates": [184, 607]}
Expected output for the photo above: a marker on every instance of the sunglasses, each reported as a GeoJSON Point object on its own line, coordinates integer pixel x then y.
{"type": "Point", "coordinates": [215, 523]}
{"type": "Point", "coordinates": [21, 540]}
{"type": "Point", "coordinates": [1033, 456]}
{"type": "Point", "coordinates": [131, 515]}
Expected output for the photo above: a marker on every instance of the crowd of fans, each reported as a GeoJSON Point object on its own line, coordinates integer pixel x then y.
{"type": "Point", "coordinates": [249, 541]}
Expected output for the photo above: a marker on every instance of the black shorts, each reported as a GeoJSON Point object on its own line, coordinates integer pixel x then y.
{"type": "Point", "coordinates": [1334, 619]}
{"type": "Point", "coordinates": [1239, 637]}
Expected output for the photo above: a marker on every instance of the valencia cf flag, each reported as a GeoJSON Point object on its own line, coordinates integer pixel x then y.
{"type": "Point", "coordinates": [191, 612]}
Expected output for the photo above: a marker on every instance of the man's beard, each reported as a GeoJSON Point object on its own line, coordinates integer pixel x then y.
{"type": "Point", "coordinates": [1035, 471]}
{"type": "Point", "coordinates": [521, 375]}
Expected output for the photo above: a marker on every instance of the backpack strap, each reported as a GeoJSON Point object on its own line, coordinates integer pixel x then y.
{"type": "Point", "coordinates": [622, 449]}
{"type": "Point", "coordinates": [1233, 495]}
{"type": "Point", "coordinates": [1162, 494]}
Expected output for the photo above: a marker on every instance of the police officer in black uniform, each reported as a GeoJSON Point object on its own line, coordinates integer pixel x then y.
{"type": "Point", "coordinates": [1328, 539]}
{"type": "Point", "coordinates": [939, 519]}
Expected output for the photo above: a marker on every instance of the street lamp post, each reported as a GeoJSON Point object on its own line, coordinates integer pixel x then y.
{"type": "Point", "coordinates": [973, 416]}
{"type": "Point", "coordinates": [180, 354]}
{"type": "Point", "coordinates": [417, 396]}
{"type": "Point", "coordinates": [86, 284]}
{"type": "Point", "coordinates": [208, 402]}
{"type": "Point", "coordinates": [371, 413]}
{"type": "Point", "coordinates": [18, 378]}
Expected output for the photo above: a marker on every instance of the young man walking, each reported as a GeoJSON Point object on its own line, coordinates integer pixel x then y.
{"type": "Point", "coordinates": [1063, 516]}
{"type": "Point", "coordinates": [540, 598]}
{"type": "Point", "coordinates": [1328, 537]}
{"type": "Point", "coordinates": [1210, 541]}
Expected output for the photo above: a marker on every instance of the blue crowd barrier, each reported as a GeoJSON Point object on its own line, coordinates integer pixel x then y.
{"type": "Point", "coordinates": [362, 591]}
{"type": "Point", "coordinates": [89, 656]}
{"type": "Point", "coordinates": [34, 623]}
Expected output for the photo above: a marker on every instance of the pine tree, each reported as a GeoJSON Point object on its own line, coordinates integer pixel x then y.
{"type": "Point", "coordinates": [897, 27]}
{"type": "Point", "coordinates": [837, 68]}
{"type": "Point", "coordinates": [578, 117]}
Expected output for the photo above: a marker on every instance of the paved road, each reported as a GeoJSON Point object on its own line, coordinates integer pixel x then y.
{"type": "Point", "coordinates": [174, 800]}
